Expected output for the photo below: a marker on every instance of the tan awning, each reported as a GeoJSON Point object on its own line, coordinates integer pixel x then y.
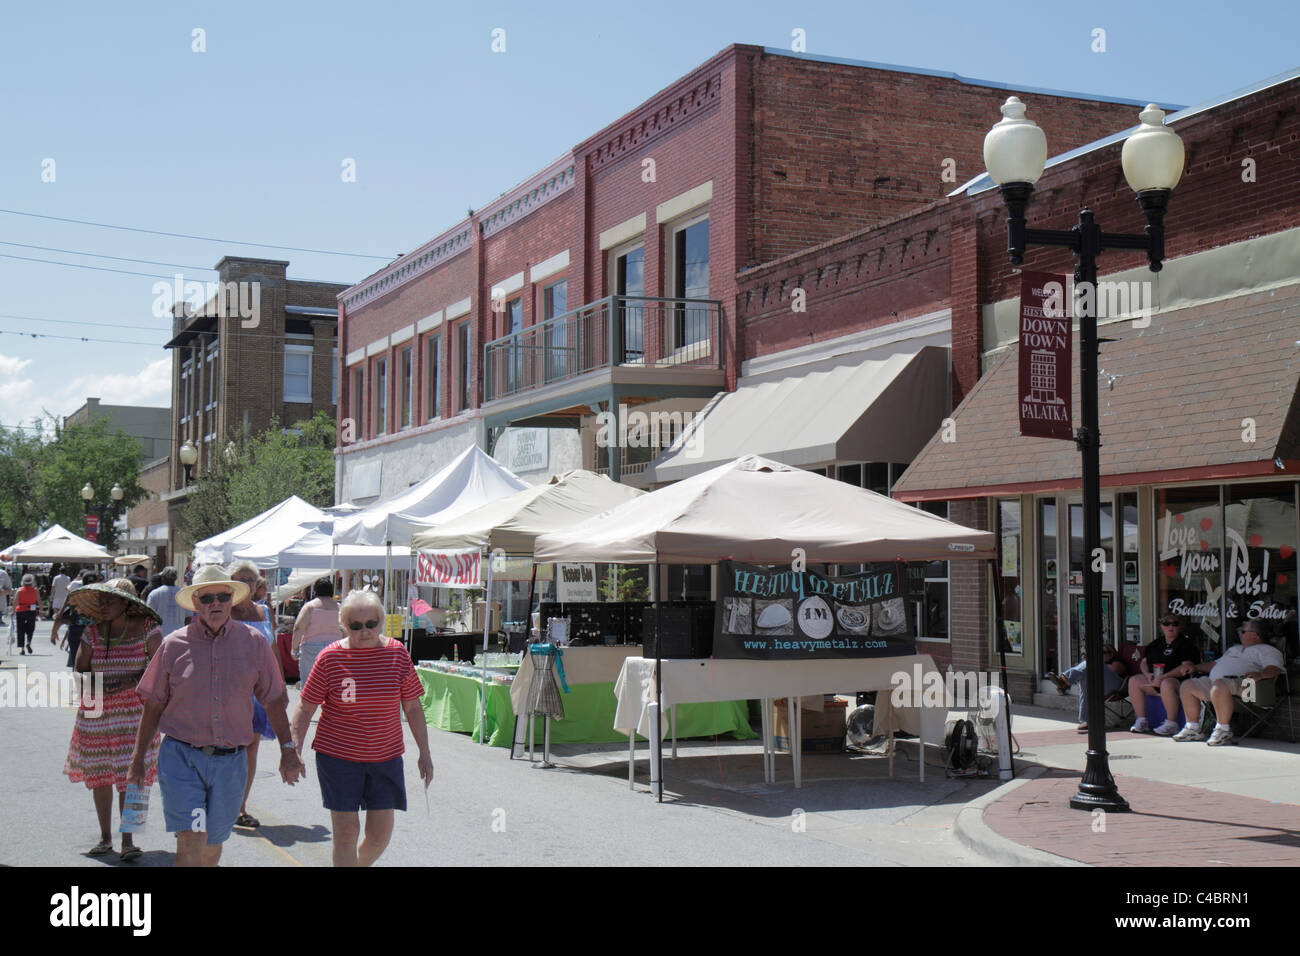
{"type": "Point", "coordinates": [846, 408]}
{"type": "Point", "coordinates": [1179, 401]}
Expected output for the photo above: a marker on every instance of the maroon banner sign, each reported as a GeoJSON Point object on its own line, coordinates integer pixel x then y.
{"type": "Point", "coordinates": [1045, 369]}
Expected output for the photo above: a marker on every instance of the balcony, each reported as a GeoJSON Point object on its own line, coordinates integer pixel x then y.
{"type": "Point", "coordinates": [648, 339]}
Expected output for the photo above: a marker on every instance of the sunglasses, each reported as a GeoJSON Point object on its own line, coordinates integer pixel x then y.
{"type": "Point", "coordinates": [1168, 623]}
{"type": "Point", "coordinates": [206, 599]}
{"type": "Point", "coordinates": [358, 625]}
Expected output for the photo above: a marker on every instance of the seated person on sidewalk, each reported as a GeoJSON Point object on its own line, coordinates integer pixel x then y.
{"type": "Point", "coordinates": [1254, 657]}
{"type": "Point", "coordinates": [1113, 672]}
{"type": "Point", "coordinates": [1170, 652]}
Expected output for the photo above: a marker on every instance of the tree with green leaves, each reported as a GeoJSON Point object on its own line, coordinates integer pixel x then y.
{"type": "Point", "coordinates": [256, 472]}
{"type": "Point", "coordinates": [43, 469]}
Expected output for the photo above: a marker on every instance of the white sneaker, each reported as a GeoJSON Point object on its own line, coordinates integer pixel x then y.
{"type": "Point", "coordinates": [1140, 726]}
{"type": "Point", "coordinates": [1190, 732]}
{"type": "Point", "coordinates": [1167, 729]}
{"type": "Point", "coordinates": [1221, 736]}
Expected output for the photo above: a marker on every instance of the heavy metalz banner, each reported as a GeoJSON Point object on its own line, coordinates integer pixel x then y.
{"type": "Point", "coordinates": [1045, 346]}
{"type": "Point", "coordinates": [782, 614]}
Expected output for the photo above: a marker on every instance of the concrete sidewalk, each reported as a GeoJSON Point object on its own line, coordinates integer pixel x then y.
{"type": "Point", "coordinates": [1192, 805]}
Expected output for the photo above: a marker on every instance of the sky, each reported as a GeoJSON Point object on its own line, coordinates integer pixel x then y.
{"type": "Point", "coordinates": [231, 123]}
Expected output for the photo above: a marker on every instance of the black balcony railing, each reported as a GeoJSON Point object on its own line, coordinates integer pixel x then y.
{"type": "Point", "coordinates": [616, 330]}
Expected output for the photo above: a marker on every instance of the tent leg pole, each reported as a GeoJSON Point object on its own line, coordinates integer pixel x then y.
{"type": "Point", "coordinates": [659, 681]}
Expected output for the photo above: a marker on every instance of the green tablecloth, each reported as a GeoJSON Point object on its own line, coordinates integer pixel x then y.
{"type": "Point", "coordinates": [451, 702]}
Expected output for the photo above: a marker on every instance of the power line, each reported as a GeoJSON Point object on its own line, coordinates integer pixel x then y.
{"type": "Point", "coordinates": [75, 338]}
{"type": "Point", "coordinates": [98, 255]}
{"type": "Point", "coordinates": [117, 325]}
{"type": "Point", "coordinates": [78, 265]}
{"type": "Point", "coordinates": [181, 235]}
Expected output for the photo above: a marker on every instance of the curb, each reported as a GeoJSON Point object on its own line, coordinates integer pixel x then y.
{"type": "Point", "coordinates": [977, 836]}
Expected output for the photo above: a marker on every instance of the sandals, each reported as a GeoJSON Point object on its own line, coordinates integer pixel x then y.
{"type": "Point", "coordinates": [130, 853]}
{"type": "Point", "coordinates": [100, 848]}
{"type": "Point", "coordinates": [247, 820]}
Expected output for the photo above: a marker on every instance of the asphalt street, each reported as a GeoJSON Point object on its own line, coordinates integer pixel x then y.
{"type": "Point", "coordinates": [484, 809]}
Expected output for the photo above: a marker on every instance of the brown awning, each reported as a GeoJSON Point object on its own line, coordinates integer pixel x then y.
{"type": "Point", "coordinates": [1175, 409]}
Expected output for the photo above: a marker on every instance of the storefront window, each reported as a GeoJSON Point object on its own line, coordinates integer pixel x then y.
{"type": "Point", "coordinates": [1260, 554]}
{"type": "Point", "coordinates": [932, 612]}
{"type": "Point", "coordinates": [1009, 556]}
{"type": "Point", "coordinates": [1128, 577]}
{"type": "Point", "coordinates": [1189, 572]}
{"type": "Point", "coordinates": [1047, 581]}
{"type": "Point", "coordinates": [689, 582]}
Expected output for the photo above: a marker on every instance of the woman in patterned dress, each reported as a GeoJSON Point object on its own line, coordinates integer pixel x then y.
{"type": "Point", "coordinates": [115, 650]}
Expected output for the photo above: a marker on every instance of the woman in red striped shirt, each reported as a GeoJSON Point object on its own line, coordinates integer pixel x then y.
{"type": "Point", "coordinates": [362, 683]}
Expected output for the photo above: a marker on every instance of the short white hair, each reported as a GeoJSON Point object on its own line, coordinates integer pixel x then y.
{"type": "Point", "coordinates": [358, 598]}
{"type": "Point", "coordinates": [243, 566]}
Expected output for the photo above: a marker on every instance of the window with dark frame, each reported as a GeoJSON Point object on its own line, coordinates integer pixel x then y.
{"type": "Point", "coordinates": [358, 399]}
{"type": "Point", "coordinates": [432, 379]}
{"type": "Point", "coordinates": [462, 366]}
{"type": "Point", "coordinates": [381, 396]}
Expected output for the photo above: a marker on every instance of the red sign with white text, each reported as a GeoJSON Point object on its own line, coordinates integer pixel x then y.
{"type": "Point", "coordinates": [1045, 369]}
{"type": "Point", "coordinates": [450, 569]}
{"type": "Point", "coordinates": [92, 528]}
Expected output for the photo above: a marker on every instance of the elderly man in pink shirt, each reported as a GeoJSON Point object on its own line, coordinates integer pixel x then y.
{"type": "Point", "coordinates": [198, 690]}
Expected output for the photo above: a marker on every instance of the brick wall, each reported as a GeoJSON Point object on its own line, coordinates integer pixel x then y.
{"type": "Point", "coordinates": [839, 147]}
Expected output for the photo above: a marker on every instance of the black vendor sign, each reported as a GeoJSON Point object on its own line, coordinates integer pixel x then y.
{"type": "Point", "coordinates": [778, 613]}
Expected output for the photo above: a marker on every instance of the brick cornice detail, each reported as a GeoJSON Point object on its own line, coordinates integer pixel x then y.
{"type": "Point", "coordinates": [530, 197]}
{"type": "Point", "coordinates": [654, 121]}
{"type": "Point", "coordinates": [432, 254]}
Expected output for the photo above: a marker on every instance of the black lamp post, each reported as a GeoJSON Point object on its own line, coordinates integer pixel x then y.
{"type": "Point", "coordinates": [1015, 151]}
{"type": "Point", "coordinates": [88, 495]}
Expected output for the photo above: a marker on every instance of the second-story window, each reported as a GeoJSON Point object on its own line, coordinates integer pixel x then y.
{"type": "Point", "coordinates": [381, 396]}
{"type": "Point", "coordinates": [408, 386]}
{"type": "Point", "coordinates": [358, 403]}
{"type": "Point", "coordinates": [514, 318]}
{"type": "Point", "coordinates": [211, 373]}
{"type": "Point", "coordinates": [689, 250]}
{"type": "Point", "coordinates": [297, 373]}
{"type": "Point", "coordinates": [629, 280]}
{"type": "Point", "coordinates": [432, 378]}
{"type": "Point", "coordinates": [462, 366]}
{"type": "Point", "coordinates": [555, 340]}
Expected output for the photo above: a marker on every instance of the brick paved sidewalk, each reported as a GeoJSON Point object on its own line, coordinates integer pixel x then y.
{"type": "Point", "coordinates": [1171, 825]}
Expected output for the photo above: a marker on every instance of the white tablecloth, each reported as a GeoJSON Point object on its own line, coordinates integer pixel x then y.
{"type": "Point", "coordinates": [582, 665]}
{"type": "Point", "coordinates": [697, 681]}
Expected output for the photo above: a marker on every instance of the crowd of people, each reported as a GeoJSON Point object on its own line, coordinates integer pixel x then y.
{"type": "Point", "coordinates": [153, 649]}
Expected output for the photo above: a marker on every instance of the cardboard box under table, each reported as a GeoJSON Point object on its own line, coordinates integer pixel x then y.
{"type": "Point", "coordinates": [824, 723]}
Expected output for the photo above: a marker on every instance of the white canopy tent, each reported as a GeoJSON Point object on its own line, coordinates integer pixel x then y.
{"type": "Point", "coordinates": [283, 519]}
{"type": "Point", "coordinates": [313, 549]}
{"type": "Point", "coordinates": [757, 510]}
{"type": "Point", "coordinates": [472, 479]}
{"type": "Point", "coordinates": [760, 511]}
{"type": "Point", "coordinates": [56, 543]}
{"type": "Point", "coordinates": [513, 523]}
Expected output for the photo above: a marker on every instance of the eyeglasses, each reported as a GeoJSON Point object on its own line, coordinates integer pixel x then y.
{"type": "Point", "coordinates": [1168, 623]}
{"type": "Point", "coordinates": [358, 625]}
{"type": "Point", "coordinates": [223, 597]}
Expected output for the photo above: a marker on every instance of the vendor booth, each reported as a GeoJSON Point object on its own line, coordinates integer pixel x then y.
{"type": "Point", "coordinates": [762, 512]}
{"type": "Point", "coordinates": [509, 526]}
{"type": "Point", "coordinates": [56, 543]}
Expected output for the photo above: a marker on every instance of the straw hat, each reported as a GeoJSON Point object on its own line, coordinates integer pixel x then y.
{"type": "Point", "coordinates": [92, 600]}
{"type": "Point", "coordinates": [206, 577]}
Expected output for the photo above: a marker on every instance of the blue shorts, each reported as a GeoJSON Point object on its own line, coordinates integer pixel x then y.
{"type": "Point", "coordinates": [201, 791]}
{"type": "Point", "coordinates": [347, 786]}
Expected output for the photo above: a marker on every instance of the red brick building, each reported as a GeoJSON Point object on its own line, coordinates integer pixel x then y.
{"type": "Point", "coordinates": [1199, 407]}
{"type": "Point", "coordinates": [262, 346]}
{"type": "Point", "coordinates": [615, 279]}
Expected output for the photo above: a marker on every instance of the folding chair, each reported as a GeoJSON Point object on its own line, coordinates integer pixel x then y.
{"type": "Point", "coordinates": [1269, 695]}
{"type": "Point", "coordinates": [1119, 706]}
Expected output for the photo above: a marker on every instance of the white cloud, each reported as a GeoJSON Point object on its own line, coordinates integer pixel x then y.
{"type": "Point", "coordinates": [9, 366]}
{"type": "Point", "coordinates": [152, 385]}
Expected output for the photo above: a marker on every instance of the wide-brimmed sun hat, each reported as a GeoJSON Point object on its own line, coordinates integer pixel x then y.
{"type": "Point", "coordinates": [206, 577]}
{"type": "Point", "coordinates": [93, 600]}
